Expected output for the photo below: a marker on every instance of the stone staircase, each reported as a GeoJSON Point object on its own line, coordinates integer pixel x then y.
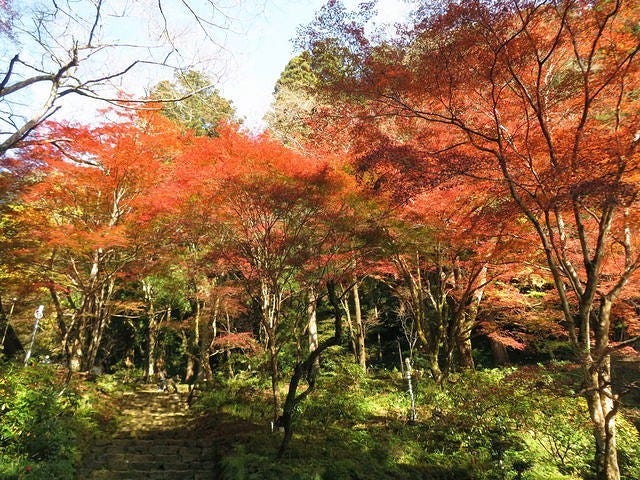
{"type": "Point", "coordinates": [155, 441]}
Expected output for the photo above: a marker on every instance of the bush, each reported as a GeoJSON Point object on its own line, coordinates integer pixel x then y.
{"type": "Point", "coordinates": [501, 424]}
{"type": "Point", "coordinates": [512, 421]}
{"type": "Point", "coordinates": [628, 449]}
{"type": "Point", "coordinates": [38, 430]}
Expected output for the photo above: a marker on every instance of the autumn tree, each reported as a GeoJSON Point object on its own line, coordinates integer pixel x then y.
{"type": "Point", "coordinates": [84, 213]}
{"type": "Point", "coordinates": [282, 226]}
{"type": "Point", "coordinates": [543, 93]}
{"type": "Point", "coordinates": [268, 203]}
{"type": "Point", "coordinates": [15, 280]}
{"type": "Point", "coordinates": [444, 262]}
{"type": "Point", "coordinates": [448, 238]}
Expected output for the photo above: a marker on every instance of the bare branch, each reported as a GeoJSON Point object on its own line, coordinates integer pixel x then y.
{"type": "Point", "coordinates": [7, 75]}
{"type": "Point", "coordinates": [25, 83]}
{"type": "Point", "coordinates": [95, 23]}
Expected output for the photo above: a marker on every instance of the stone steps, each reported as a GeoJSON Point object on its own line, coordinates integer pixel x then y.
{"type": "Point", "coordinates": [154, 441]}
{"type": "Point", "coordinates": [110, 474]}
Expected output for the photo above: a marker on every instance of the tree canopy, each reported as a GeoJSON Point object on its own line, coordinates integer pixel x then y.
{"type": "Point", "coordinates": [461, 190]}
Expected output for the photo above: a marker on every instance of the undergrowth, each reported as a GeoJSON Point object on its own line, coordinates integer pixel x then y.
{"type": "Point", "coordinates": [44, 422]}
{"type": "Point", "coordinates": [499, 424]}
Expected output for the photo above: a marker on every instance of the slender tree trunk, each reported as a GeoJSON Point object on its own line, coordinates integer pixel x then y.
{"type": "Point", "coordinates": [312, 325]}
{"type": "Point", "coordinates": [270, 312]}
{"type": "Point", "coordinates": [468, 321]}
{"type": "Point", "coordinates": [62, 326]}
{"type": "Point", "coordinates": [273, 366]}
{"type": "Point", "coordinates": [359, 329]}
{"type": "Point", "coordinates": [435, 327]}
{"type": "Point", "coordinates": [101, 319]}
{"type": "Point", "coordinates": [465, 351]}
{"type": "Point", "coordinates": [74, 341]}
{"type": "Point", "coordinates": [602, 410]}
{"type": "Point", "coordinates": [305, 370]}
{"type": "Point", "coordinates": [227, 353]}
{"type": "Point", "coordinates": [207, 333]}
{"type": "Point", "coordinates": [152, 342]}
{"type": "Point", "coordinates": [152, 333]}
{"type": "Point", "coordinates": [190, 372]}
{"type": "Point", "coordinates": [344, 301]}
{"type": "Point", "coordinates": [427, 321]}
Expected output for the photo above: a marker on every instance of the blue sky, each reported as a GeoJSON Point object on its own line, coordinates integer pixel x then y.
{"type": "Point", "coordinates": [260, 51]}
{"type": "Point", "coordinates": [252, 48]}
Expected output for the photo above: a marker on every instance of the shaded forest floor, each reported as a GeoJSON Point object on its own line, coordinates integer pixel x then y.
{"type": "Point", "coordinates": [508, 423]}
{"type": "Point", "coordinates": [526, 423]}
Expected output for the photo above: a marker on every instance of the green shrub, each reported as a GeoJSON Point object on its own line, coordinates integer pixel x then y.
{"type": "Point", "coordinates": [39, 430]}
{"type": "Point", "coordinates": [504, 420]}
{"type": "Point", "coordinates": [501, 424]}
{"type": "Point", "coordinates": [628, 449]}
{"type": "Point", "coordinates": [244, 396]}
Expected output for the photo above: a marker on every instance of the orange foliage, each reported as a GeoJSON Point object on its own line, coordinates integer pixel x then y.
{"type": "Point", "coordinates": [93, 190]}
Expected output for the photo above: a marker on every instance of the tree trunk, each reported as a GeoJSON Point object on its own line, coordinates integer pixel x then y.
{"type": "Point", "coordinates": [602, 402]}
{"type": "Point", "coordinates": [359, 329]}
{"type": "Point", "coordinates": [62, 326]}
{"type": "Point", "coordinates": [270, 313]}
{"type": "Point", "coordinates": [500, 354]}
{"type": "Point", "coordinates": [305, 369]}
{"type": "Point", "coordinates": [205, 338]}
{"type": "Point", "coordinates": [467, 322]}
{"type": "Point", "coordinates": [227, 353]}
{"type": "Point", "coordinates": [152, 333]}
{"type": "Point", "coordinates": [344, 302]}
{"type": "Point", "coordinates": [152, 341]}
{"type": "Point", "coordinates": [602, 409]}
{"type": "Point", "coordinates": [435, 327]}
{"type": "Point", "coordinates": [10, 343]}
{"type": "Point", "coordinates": [466, 352]}
{"type": "Point", "coordinates": [101, 319]}
{"type": "Point", "coordinates": [312, 325]}
{"type": "Point", "coordinates": [273, 367]}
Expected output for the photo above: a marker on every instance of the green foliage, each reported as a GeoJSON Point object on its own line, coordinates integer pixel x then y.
{"type": "Point", "coordinates": [628, 449]}
{"type": "Point", "coordinates": [171, 289]}
{"type": "Point", "coordinates": [199, 107]}
{"type": "Point", "coordinates": [122, 379]}
{"type": "Point", "coordinates": [42, 423]}
{"type": "Point", "coordinates": [486, 425]}
{"type": "Point", "coordinates": [297, 74]}
{"type": "Point", "coordinates": [293, 101]}
{"type": "Point", "coordinates": [242, 397]}
{"type": "Point", "coordinates": [506, 419]}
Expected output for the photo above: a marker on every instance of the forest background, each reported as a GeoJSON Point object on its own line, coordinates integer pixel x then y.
{"type": "Point", "coordinates": [451, 202]}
